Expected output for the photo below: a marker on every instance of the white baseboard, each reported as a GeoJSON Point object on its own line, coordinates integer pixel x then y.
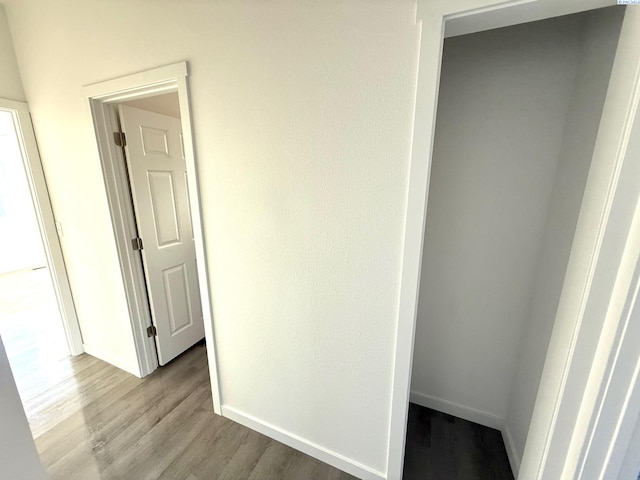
{"type": "Point", "coordinates": [113, 360]}
{"type": "Point", "coordinates": [512, 453]}
{"type": "Point", "coordinates": [321, 453]}
{"type": "Point", "coordinates": [467, 413]}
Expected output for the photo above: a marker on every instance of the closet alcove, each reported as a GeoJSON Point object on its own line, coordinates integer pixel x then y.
{"type": "Point", "coordinates": [518, 114]}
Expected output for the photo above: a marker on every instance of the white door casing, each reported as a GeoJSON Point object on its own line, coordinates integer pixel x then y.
{"type": "Point", "coordinates": [100, 99]}
{"type": "Point", "coordinates": [156, 166]}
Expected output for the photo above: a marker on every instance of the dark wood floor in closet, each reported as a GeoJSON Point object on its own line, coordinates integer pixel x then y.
{"type": "Point", "coordinates": [441, 446]}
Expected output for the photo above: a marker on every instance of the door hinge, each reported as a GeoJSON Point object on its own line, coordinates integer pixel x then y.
{"type": "Point", "coordinates": [120, 139]}
{"type": "Point", "coordinates": [137, 243]}
{"type": "Point", "coordinates": [151, 331]}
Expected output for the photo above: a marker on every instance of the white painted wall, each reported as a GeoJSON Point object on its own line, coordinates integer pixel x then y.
{"type": "Point", "coordinates": [600, 35]}
{"type": "Point", "coordinates": [504, 99]}
{"type": "Point", "coordinates": [18, 456]}
{"type": "Point", "coordinates": [302, 123]}
{"type": "Point", "coordinates": [590, 300]}
{"type": "Point", "coordinates": [302, 116]}
{"type": "Point", "coordinates": [10, 82]}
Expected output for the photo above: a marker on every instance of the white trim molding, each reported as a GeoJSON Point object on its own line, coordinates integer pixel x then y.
{"type": "Point", "coordinates": [503, 14]}
{"type": "Point", "coordinates": [99, 99]}
{"type": "Point", "coordinates": [461, 411]}
{"type": "Point", "coordinates": [512, 451]}
{"type": "Point", "coordinates": [606, 415]}
{"type": "Point", "coordinates": [631, 463]}
{"type": "Point", "coordinates": [303, 445]}
{"type": "Point", "coordinates": [614, 381]}
{"type": "Point", "coordinates": [119, 362]}
{"type": "Point", "coordinates": [46, 221]}
{"type": "Point", "coordinates": [595, 264]}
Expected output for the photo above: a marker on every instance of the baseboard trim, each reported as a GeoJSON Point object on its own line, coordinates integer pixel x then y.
{"type": "Point", "coordinates": [467, 413]}
{"type": "Point", "coordinates": [512, 453]}
{"type": "Point", "coordinates": [321, 453]}
{"type": "Point", "coordinates": [111, 359]}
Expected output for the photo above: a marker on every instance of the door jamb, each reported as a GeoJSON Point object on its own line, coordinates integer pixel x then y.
{"type": "Point", "coordinates": [99, 98]}
{"type": "Point", "coordinates": [434, 18]}
{"type": "Point", "coordinates": [607, 441]}
{"type": "Point", "coordinates": [46, 221]}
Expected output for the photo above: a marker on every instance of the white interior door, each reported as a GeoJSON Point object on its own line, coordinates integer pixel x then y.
{"type": "Point", "coordinates": [159, 187]}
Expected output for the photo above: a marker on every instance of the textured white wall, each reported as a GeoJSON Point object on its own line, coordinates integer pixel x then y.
{"type": "Point", "coordinates": [600, 36]}
{"type": "Point", "coordinates": [504, 98]}
{"type": "Point", "coordinates": [10, 82]}
{"type": "Point", "coordinates": [18, 456]}
{"type": "Point", "coordinates": [302, 116]}
{"type": "Point", "coordinates": [302, 122]}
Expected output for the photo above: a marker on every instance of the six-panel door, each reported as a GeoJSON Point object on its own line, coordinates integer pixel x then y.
{"type": "Point", "coordinates": [159, 187]}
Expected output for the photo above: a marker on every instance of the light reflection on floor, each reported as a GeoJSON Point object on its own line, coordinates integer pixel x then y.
{"type": "Point", "coordinates": [31, 330]}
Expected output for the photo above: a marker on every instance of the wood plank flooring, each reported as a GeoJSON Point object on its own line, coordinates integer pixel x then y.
{"type": "Point", "coordinates": [102, 423]}
{"type": "Point", "coordinates": [91, 420]}
{"type": "Point", "coordinates": [441, 446]}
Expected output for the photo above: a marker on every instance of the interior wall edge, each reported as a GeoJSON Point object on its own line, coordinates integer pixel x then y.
{"type": "Point", "coordinates": [512, 451]}
{"type": "Point", "coordinates": [504, 15]}
{"type": "Point", "coordinates": [601, 232]}
{"type": "Point", "coordinates": [457, 410]}
{"type": "Point", "coordinates": [303, 445]}
{"type": "Point", "coordinates": [598, 44]}
{"type": "Point", "coordinates": [114, 360]}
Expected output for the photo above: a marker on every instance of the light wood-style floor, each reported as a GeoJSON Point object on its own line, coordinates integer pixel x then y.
{"type": "Point", "coordinates": [31, 330]}
{"type": "Point", "coordinates": [91, 420]}
{"type": "Point", "coordinates": [104, 423]}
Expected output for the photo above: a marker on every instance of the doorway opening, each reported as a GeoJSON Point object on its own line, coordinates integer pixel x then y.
{"type": "Point", "coordinates": [518, 115]}
{"type": "Point", "coordinates": [506, 194]}
{"type": "Point", "coordinates": [151, 141]}
{"type": "Point", "coordinates": [38, 324]}
{"type": "Point", "coordinates": [143, 128]}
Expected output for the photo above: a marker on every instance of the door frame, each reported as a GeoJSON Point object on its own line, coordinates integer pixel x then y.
{"type": "Point", "coordinates": [609, 430]}
{"type": "Point", "coordinates": [46, 221]}
{"type": "Point", "coordinates": [100, 97]}
{"type": "Point", "coordinates": [582, 296]}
